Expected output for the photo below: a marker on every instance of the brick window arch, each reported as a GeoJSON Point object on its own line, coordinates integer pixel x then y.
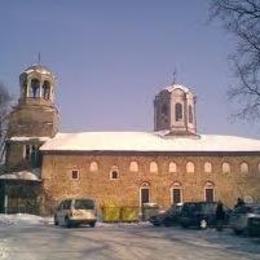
{"type": "Point", "coordinates": [172, 167]}
{"type": "Point", "coordinates": [93, 167]}
{"type": "Point", "coordinates": [114, 173]}
{"type": "Point", "coordinates": [190, 167]}
{"type": "Point", "coordinates": [208, 167]}
{"type": "Point", "coordinates": [226, 167]}
{"type": "Point", "coordinates": [133, 167]}
{"type": "Point", "coordinates": [153, 167]}
{"type": "Point", "coordinates": [244, 168]}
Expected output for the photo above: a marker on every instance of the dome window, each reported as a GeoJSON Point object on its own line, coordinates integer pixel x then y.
{"type": "Point", "coordinates": [35, 88]}
{"type": "Point", "coordinates": [178, 112]}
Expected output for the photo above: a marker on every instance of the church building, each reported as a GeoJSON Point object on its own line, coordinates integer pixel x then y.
{"type": "Point", "coordinates": [172, 164]}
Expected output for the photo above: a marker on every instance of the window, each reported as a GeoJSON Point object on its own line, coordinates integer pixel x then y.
{"type": "Point", "coordinates": [27, 152]}
{"type": "Point", "coordinates": [46, 90]}
{"type": "Point", "coordinates": [209, 192]}
{"type": "Point", "coordinates": [172, 167]}
{"type": "Point", "coordinates": [190, 114]}
{"type": "Point", "coordinates": [144, 193]}
{"type": "Point", "coordinates": [75, 174]}
{"type": "Point", "coordinates": [35, 88]}
{"type": "Point", "coordinates": [93, 167]}
{"type": "Point", "coordinates": [226, 167]}
{"type": "Point", "coordinates": [190, 167]}
{"type": "Point", "coordinates": [133, 167]}
{"type": "Point", "coordinates": [176, 193]}
{"type": "Point", "coordinates": [178, 112]}
{"type": "Point", "coordinates": [207, 167]}
{"type": "Point", "coordinates": [153, 167]}
{"type": "Point", "coordinates": [114, 173]}
{"type": "Point", "coordinates": [244, 167]}
{"type": "Point", "coordinates": [165, 110]}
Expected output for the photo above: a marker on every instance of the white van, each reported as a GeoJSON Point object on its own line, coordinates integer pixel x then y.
{"type": "Point", "coordinates": [76, 211]}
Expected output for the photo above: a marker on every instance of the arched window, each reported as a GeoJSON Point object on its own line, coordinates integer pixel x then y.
{"type": "Point", "coordinates": [226, 167]}
{"type": "Point", "coordinates": [133, 167]}
{"type": "Point", "coordinates": [258, 167]}
{"type": "Point", "coordinates": [178, 112]}
{"type": "Point", "coordinates": [172, 167]}
{"type": "Point", "coordinates": [176, 193]}
{"type": "Point", "coordinates": [46, 90]}
{"type": "Point", "coordinates": [190, 167]}
{"type": "Point", "coordinates": [153, 167]}
{"type": "Point", "coordinates": [144, 193]}
{"type": "Point", "coordinates": [207, 167]}
{"type": "Point", "coordinates": [209, 192]}
{"type": "Point", "coordinates": [190, 114]}
{"type": "Point", "coordinates": [35, 88]}
{"type": "Point", "coordinates": [244, 167]}
{"type": "Point", "coordinates": [93, 167]}
{"type": "Point", "coordinates": [114, 173]}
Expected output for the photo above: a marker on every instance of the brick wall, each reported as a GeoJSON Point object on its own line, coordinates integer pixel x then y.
{"type": "Point", "coordinates": [58, 184]}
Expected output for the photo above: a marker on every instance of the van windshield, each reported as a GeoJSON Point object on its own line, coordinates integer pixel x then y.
{"type": "Point", "coordinates": [84, 204]}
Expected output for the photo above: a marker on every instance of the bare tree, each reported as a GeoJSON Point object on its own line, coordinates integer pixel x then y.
{"type": "Point", "coordinates": [5, 99]}
{"type": "Point", "coordinates": [242, 19]}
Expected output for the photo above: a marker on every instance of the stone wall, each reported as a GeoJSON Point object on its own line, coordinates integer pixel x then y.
{"type": "Point", "coordinates": [58, 183]}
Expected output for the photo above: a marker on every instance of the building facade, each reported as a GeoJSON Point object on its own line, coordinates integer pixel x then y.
{"type": "Point", "coordinates": [170, 165]}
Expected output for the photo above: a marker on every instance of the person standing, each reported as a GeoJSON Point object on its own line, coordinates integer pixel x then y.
{"type": "Point", "coordinates": [220, 216]}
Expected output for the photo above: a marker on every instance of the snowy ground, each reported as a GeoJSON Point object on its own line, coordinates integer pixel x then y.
{"type": "Point", "coordinates": [31, 237]}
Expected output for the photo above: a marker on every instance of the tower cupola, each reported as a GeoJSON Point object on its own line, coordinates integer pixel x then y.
{"type": "Point", "coordinates": [175, 111]}
{"type": "Point", "coordinates": [37, 84]}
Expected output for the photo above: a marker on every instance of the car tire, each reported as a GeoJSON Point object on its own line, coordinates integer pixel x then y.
{"type": "Point", "coordinates": [56, 222]}
{"type": "Point", "coordinates": [237, 231]}
{"type": "Point", "coordinates": [68, 222]}
{"type": "Point", "coordinates": [203, 224]}
{"type": "Point", "coordinates": [93, 224]}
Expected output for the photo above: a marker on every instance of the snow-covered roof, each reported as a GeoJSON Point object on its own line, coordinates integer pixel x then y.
{"type": "Point", "coordinates": [177, 86]}
{"type": "Point", "coordinates": [27, 138]}
{"type": "Point", "coordinates": [149, 142]}
{"type": "Point", "coordinates": [39, 68]}
{"type": "Point", "coordinates": [33, 175]}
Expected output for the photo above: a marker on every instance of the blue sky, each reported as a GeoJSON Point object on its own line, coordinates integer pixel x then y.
{"type": "Point", "coordinates": [112, 57]}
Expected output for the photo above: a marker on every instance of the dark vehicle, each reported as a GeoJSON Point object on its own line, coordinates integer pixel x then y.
{"type": "Point", "coordinates": [167, 218]}
{"type": "Point", "coordinates": [201, 214]}
{"type": "Point", "coordinates": [246, 219]}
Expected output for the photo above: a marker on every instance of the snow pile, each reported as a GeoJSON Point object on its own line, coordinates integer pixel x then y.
{"type": "Point", "coordinates": [23, 219]}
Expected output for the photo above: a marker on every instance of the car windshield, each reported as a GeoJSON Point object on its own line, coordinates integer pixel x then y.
{"type": "Point", "coordinates": [84, 204]}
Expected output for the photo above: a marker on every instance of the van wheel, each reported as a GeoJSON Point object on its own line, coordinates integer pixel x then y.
{"type": "Point", "coordinates": [238, 231]}
{"type": "Point", "coordinates": [92, 224]}
{"type": "Point", "coordinates": [67, 222]}
{"type": "Point", "coordinates": [56, 222]}
{"type": "Point", "coordinates": [203, 224]}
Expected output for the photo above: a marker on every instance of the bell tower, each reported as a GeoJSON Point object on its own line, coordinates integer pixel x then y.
{"type": "Point", "coordinates": [175, 111]}
{"type": "Point", "coordinates": [34, 119]}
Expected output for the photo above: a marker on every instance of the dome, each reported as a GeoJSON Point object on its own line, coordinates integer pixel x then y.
{"type": "Point", "coordinates": [40, 69]}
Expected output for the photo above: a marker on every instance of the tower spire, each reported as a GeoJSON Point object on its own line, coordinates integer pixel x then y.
{"type": "Point", "coordinates": [174, 77]}
{"type": "Point", "coordinates": [39, 57]}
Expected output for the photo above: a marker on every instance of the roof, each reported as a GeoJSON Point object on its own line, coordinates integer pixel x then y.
{"type": "Point", "coordinates": [33, 175]}
{"type": "Point", "coordinates": [177, 86]}
{"type": "Point", "coordinates": [149, 142]}
{"type": "Point", "coordinates": [39, 68]}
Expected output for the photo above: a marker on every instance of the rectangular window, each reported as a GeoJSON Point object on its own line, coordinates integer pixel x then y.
{"type": "Point", "coordinates": [75, 174]}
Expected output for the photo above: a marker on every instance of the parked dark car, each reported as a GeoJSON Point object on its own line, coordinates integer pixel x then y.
{"type": "Point", "coordinates": [246, 219]}
{"type": "Point", "coordinates": [167, 218]}
{"type": "Point", "coordinates": [201, 214]}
